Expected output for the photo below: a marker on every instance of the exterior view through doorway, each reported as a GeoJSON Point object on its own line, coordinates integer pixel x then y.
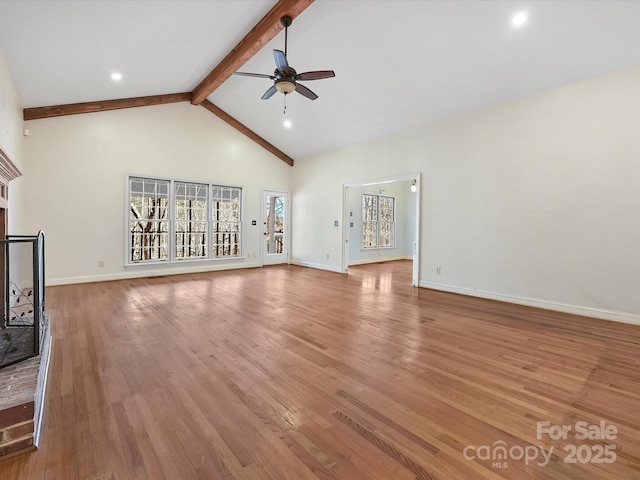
{"type": "Point", "coordinates": [275, 227]}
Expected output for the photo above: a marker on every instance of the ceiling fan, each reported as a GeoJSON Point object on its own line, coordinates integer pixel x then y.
{"type": "Point", "coordinates": [285, 78]}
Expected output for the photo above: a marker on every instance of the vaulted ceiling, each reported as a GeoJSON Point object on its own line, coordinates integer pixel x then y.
{"type": "Point", "coordinates": [398, 64]}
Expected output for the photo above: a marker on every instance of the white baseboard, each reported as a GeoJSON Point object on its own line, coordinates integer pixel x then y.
{"type": "Point", "coordinates": [532, 302]}
{"type": "Point", "coordinates": [135, 272]}
{"type": "Point", "coordinates": [319, 266]}
{"type": "Point", "coordinates": [380, 260]}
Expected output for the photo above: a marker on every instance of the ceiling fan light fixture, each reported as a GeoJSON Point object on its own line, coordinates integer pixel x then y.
{"type": "Point", "coordinates": [285, 86]}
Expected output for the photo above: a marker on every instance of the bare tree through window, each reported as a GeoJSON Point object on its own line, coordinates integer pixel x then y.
{"type": "Point", "coordinates": [378, 221]}
{"type": "Point", "coordinates": [386, 221]}
{"type": "Point", "coordinates": [275, 224]}
{"type": "Point", "coordinates": [369, 221]}
{"type": "Point", "coordinates": [171, 220]}
{"type": "Point", "coordinates": [148, 219]}
{"type": "Point", "coordinates": [191, 220]}
{"type": "Point", "coordinates": [225, 208]}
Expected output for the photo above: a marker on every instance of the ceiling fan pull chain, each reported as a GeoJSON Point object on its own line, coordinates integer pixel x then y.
{"type": "Point", "coordinates": [284, 112]}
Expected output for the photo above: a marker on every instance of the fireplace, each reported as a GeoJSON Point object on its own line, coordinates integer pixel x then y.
{"type": "Point", "coordinates": [24, 329]}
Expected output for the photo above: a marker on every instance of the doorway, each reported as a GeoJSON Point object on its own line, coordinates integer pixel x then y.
{"type": "Point", "coordinates": [275, 219]}
{"type": "Point", "coordinates": [356, 250]}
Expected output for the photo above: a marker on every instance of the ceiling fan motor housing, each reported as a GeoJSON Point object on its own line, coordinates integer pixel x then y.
{"type": "Point", "coordinates": [285, 79]}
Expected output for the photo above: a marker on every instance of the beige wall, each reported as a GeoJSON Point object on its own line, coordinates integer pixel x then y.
{"type": "Point", "coordinates": [536, 201]}
{"type": "Point", "coordinates": [10, 115]}
{"type": "Point", "coordinates": [11, 126]}
{"type": "Point", "coordinates": [74, 182]}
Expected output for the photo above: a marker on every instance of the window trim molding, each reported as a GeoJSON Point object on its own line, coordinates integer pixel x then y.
{"type": "Point", "coordinates": [172, 259]}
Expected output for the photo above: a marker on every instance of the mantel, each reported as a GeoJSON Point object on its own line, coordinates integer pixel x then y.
{"type": "Point", "coordinates": [7, 168]}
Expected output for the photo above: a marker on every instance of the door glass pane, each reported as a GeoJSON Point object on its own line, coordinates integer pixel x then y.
{"type": "Point", "coordinates": [274, 237]}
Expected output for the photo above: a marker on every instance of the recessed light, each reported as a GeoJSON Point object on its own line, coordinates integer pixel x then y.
{"type": "Point", "coordinates": [116, 76]}
{"type": "Point", "coordinates": [287, 123]}
{"type": "Point", "coordinates": [519, 19]}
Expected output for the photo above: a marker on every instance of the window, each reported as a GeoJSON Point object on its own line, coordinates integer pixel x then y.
{"type": "Point", "coordinates": [225, 208]}
{"type": "Point", "coordinates": [378, 221]}
{"type": "Point", "coordinates": [369, 221]}
{"type": "Point", "coordinates": [171, 220]}
{"type": "Point", "coordinates": [386, 221]}
{"type": "Point", "coordinates": [191, 220]}
{"type": "Point", "coordinates": [148, 219]}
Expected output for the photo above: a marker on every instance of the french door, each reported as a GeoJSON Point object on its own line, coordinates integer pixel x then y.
{"type": "Point", "coordinates": [275, 228]}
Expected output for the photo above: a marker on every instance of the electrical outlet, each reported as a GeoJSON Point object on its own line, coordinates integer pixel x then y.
{"type": "Point", "coordinates": [438, 270]}
{"type": "Point", "coordinates": [100, 263]}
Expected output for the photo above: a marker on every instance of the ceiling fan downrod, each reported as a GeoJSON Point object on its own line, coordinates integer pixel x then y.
{"type": "Point", "coordinates": [286, 21]}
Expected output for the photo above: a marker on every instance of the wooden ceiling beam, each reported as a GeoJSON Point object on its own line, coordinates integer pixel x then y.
{"type": "Point", "coordinates": [265, 30]}
{"type": "Point", "coordinates": [247, 131]}
{"type": "Point", "coordinates": [258, 37]}
{"type": "Point", "coordinates": [101, 106]}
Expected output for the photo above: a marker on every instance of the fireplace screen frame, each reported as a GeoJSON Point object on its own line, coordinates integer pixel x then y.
{"type": "Point", "coordinates": [22, 327]}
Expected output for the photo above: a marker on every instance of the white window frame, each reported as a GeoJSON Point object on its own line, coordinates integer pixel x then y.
{"type": "Point", "coordinates": [213, 221]}
{"type": "Point", "coordinates": [377, 222]}
{"type": "Point", "coordinates": [393, 222]}
{"type": "Point", "coordinates": [172, 256]}
{"type": "Point", "coordinates": [175, 220]}
{"type": "Point", "coordinates": [131, 219]}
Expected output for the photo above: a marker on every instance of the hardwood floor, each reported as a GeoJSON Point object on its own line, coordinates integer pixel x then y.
{"type": "Point", "coordinates": [299, 374]}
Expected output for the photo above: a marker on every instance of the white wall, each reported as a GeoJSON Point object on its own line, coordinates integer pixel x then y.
{"type": "Point", "coordinates": [11, 126]}
{"type": "Point", "coordinates": [405, 223]}
{"type": "Point", "coordinates": [74, 182]}
{"type": "Point", "coordinates": [10, 115]}
{"type": "Point", "coordinates": [535, 201]}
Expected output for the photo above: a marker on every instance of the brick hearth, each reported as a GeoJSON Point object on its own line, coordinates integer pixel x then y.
{"type": "Point", "coordinates": [22, 389]}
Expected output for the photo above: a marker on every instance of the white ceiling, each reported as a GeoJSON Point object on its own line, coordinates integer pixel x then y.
{"type": "Point", "coordinates": [398, 64]}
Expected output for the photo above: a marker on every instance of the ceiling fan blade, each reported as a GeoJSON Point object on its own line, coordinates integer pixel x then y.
{"type": "Point", "coordinates": [317, 75]}
{"type": "Point", "coordinates": [259, 75]}
{"type": "Point", "coordinates": [281, 59]}
{"type": "Point", "coordinates": [269, 93]}
{"type": "Point", "coordinates": [304, 91]}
